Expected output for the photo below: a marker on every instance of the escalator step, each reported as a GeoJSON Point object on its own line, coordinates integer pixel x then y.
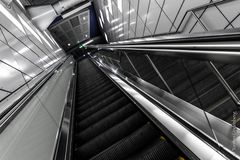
{"type": "Point", "coordinates": [130, 145]}
{"type": "Point", "coordinates": [105, 124]}
{"type": "Point", "coordinates": [97, 85]}
{"type": "Point", "coordinates": [101, 113]}
{"type": "Point", "coordinates": [96, 100]}
{"type": "Point", "coordinates": [158, 150]}
{"type": "Point", "coordinates": [104, 103]}
{"type": "Point", "coordinates": [94, 93]}
{"type": "Point", "coordinates": [111, 136]}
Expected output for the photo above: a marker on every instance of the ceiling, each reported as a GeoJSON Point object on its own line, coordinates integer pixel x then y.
{"type": "Point", "coordinates": [73, 30]}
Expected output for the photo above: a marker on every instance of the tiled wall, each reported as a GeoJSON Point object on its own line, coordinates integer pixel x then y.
{"type": "Point", "coordinates": [127, 19]}
{"type": "Point", "coordinates": [25, 52]}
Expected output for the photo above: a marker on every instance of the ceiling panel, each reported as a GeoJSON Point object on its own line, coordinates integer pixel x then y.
{"type": "Point", "coordinates": [72, 30]}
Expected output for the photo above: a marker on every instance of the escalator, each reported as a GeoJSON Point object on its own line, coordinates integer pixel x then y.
{"type": "Point", "coordinates": [108, 126]}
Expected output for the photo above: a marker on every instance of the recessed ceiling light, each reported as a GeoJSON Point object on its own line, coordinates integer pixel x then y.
{"type": "Point", "coordinates": [86, 35]}
{"type": "Point", "coordinates": [84, 18]}
{"type": "Point", "coordinates": [69, 44]}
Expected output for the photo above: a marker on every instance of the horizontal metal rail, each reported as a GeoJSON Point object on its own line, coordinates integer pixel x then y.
{"type": "Point", "coordinates": [227, 56]}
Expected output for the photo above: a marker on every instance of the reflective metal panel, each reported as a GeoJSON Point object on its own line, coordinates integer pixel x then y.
{"type": "Point", "coordinates": [3, 94]}
{"type": "Point", "coordinates": [10, 78]}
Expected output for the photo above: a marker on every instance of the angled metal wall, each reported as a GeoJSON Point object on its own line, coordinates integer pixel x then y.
{"type": "Point", "coordinates": [25, 51]}
{"type": "Point", "coordinates": [128, 19]}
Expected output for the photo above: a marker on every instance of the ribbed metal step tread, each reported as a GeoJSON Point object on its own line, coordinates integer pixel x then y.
{"type": "Point", "coordinates": [104, 103]}
{"type": "Point", "coordinates": [96, 99]}
{"type": "Point", "coordinates": [106, 123]}
{"type": "Point", "coordinates": [95, 93]}
{"type": "Point", "coordinates": [111, 136]}
{"type": "Point", "coordinates": [97, 116]}
{"type": "Point", "coordinates": [156, 151]}
{"type": "Point", "coordinates": [131, 144]}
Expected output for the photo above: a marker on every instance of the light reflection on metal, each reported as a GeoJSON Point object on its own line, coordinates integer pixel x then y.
{"type": "Point", "coordinates": [45, 40]}
{"type": "Point", "coordinates": [120, 6]}
{"type": "Point", "coordinates": [30, 29]}
{"type": "Point", "coordinates": [4, 72]}
{"type": "Point", "coordinates": [20, 3]}
{"type": "Point", "coordinates": [200, 148]}
{"type": "Point", "coordinates": [115, 20]}
{"type": "Point", "coordinates": [11, 18]}
{"type": "Point", "coordinates": [101, 15]}
{"type": "Point", "coordinates": [129, 12]}
{"type": "Point", "coordinates": [100, 21]}
{"type": "Point", "coordinates": [107, 14]}
{"type": "Point", "coordinates": [105, 35]}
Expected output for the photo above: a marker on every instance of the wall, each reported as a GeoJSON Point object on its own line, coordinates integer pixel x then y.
{"type": "Point", "coordinates": [25, 52]}
{"type": "Point", "coordinates": [128, 19]}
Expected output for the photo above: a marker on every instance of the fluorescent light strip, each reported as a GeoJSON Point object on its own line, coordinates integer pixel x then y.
{"type": "Point", "coordinates": [88, 42]}
{"type": "Point", "coordinates": [110, 6]}
{"type": "Point", "coordinates": [132, 23]}
{"type": "Point", "coordinates": [132, 10]}
{"type": "Point", "coordinates": [100, 21]}
{"type": "Point", "coordinates": [106, 37]}
{"type": "Point", "coordinates": [101, 14]}
{"type": "Point", "coordinates": [30, 29]}
{"type": "Point", "coordinates": [68, 14]}
{"type": "Point", "coordinates": [11, 18]}
{"type": "Point", "coordinates": [20, 3]}
{"type": "Point", "coordinates": [120, 5]}
{"type": "Point", "coordinates": [121, 35]}
{"type": "Point", "coordinates": [115, 20]}
{"type": "Point", "coordinates": [107, 14]}
{"type": "Point", "coordinates": [120, 29]}
{"type": "Point", "coordinates": [45, 40]}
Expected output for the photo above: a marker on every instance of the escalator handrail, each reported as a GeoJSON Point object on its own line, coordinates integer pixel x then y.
{"type": "Point", "coordinates": [150, 91]}
{"type": "Point", "coordinates": [63, 148]}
